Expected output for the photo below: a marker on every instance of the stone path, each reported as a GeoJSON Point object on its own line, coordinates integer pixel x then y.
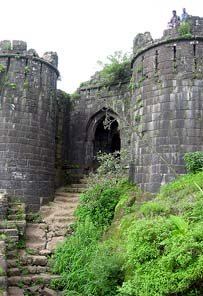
{"type": "Point", "coordinates": [57, 218]}
{"type": "Point", "coordinates": [28, 270]}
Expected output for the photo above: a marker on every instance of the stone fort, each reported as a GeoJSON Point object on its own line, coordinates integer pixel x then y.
{"type": "Point", "coordinates": [156, 113]}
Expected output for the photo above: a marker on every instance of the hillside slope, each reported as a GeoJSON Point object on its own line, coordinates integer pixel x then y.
{"type": "Point", "coordinates": [137, 245]}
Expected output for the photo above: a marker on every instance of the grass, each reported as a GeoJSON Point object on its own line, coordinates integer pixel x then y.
{"type": "Point", "coordinates": [127, 243]}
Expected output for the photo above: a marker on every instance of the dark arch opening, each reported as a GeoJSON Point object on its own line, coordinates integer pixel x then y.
{"type": "Point", "coordinates": [107, 139]}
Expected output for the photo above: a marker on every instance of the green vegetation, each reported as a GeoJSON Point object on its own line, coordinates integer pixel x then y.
{"type": "Point", "coordinates": [26, 69]}
{"type": "Point", "coordinates": [130, 243]}
{"type": "Point", "coordinates": [184, 29]}
{"type": "Point", "coordinates": [6, 45]}
{"type": "Point", "coordinates": [2, 271]}
{"type": "Point", "coordinates": [194, 161]}
{"type": "Point", "coordinates": [75, 96]}
{"type": "Point", "coordinates": [2, 68]}
{"type": "Point", "coordinates": [26, 85]}
{"type": "Point", "coordinates": [34, 217]}
{"type": "Point", "coordinates": [116, 69]}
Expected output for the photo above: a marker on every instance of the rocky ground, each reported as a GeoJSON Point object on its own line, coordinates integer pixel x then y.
{"type": "Point", "coordinates": [27, 268]}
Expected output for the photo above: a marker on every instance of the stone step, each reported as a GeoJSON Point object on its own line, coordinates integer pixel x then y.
{"type": "Point", "coordinates": [20, 225]}
{"type": "Point", "coordinates": [84, 179]}
{"type": "Point", "coordinates": [13, 271]}
{"type": "Point", "coordinates": [59, 207]}
{"type": "Point", "coordinates": [52, 217]}
{"type": "Point", "coordinates": [66, 200]}
{"type": "Point", "coordinates": [27, 270]}
{"type": "Point", "coordinates": [12, 254]}
{"type": "Point", "coordinates": [26, 259]}
{"type": "Point", "coordinates": [10, 240]}
{"type": "Point", "coordinates": [45, 252]}
{"type": "Point", "coordinates": [34, 260]}
{"type": "Point", "coordinates": [9, 232]}
{"type": "Point", "coordinates": [73, 190]}
{"type": "Point", "coordinates": [15, 291]}
{"type": "Point", "coordinates": [78, 185]}
{"type": "Point", "coordinates": [60, 221]}
{"type": "Point", "coordinates": [16, 209]}
{"type": "Point", "coordinates": [3, 282]}
{"type": "Point", "coordinates": [32, 290]}
{"type": "Point", "coordinates": [43, 278]}
{"type": "Point", "coordinates": [65, 192]}
{"type": "Point", "coordinates": [67, 195]}
{"type": "Point", "coordinates": [7, 224]}
{"type": "Point", "coordinates": [36, 236]}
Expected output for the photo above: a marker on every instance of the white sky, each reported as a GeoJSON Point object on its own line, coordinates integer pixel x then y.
{"type": "Point", "coordinates": [85, 31]}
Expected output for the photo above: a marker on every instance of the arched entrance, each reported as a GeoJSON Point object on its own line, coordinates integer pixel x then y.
{"type": "Point", "coordinates": [107, 139]}
{"type": "Point", "coordinates": [102, 135]}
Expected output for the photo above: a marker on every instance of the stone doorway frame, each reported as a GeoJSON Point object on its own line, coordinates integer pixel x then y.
{"type": "Point", "coordinates": [91, 127]}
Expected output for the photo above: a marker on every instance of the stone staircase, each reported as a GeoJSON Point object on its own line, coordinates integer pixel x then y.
{"type": "Point", "coordinates": [12, 230]}
{"type": "Point", "coordinates": [29, 248]}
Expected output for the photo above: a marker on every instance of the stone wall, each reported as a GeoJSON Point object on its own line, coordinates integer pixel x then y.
{"type": "Point", "coordinates": [61, 137]}
{"type": "Point", "coordinates": [87, 110]}
{"type": "Point", "coordinates": [167, 104]}
{"type": "Point", "coordinates": [158, 112]}
{"type": "Point", "coordinates": [27, 122]}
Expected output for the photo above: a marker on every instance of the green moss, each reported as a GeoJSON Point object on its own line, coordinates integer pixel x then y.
{"type": "Point", "coordinates": [75, 96]}
{"type": "Point", "coordinates": [2, 271]}
{"type": "Point", "coordinates": [2, 68]}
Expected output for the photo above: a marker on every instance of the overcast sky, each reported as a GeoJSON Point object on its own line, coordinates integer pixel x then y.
{"type": "Point", "coordinates": [85, 31]}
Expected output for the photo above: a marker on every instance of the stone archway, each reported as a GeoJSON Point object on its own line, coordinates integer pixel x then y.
{"type": "Point", "coordinates": [106, 139]}
{"type": "Point", "coordinates": [102, 137]}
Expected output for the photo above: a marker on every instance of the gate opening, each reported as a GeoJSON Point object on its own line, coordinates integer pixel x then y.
{"type": "Point", "coordinates": [107, 139]}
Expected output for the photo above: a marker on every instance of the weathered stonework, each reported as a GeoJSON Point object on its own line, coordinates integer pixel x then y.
{"type": "Point", "coordinates": [27, 123]}
{"type": "Point", "coordinates": [87, 112]}
{"type": "Point", "coordinates": [163, 110]}
{"type": "Point", "coordinates": [156, 113]}
{"type": "Point", "coordinates": [168, 77]}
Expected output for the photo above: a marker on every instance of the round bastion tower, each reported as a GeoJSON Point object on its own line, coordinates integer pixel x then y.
{"type": "Point", "coordinates": [27, 123]}
{"type": "Point", "coordinates": [167, 103]}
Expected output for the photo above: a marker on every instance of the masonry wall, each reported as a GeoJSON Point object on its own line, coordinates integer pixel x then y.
{"type": "Point", "coordinates": [168, 106]}
{"type": "Point", "coordinates": [61, 138]}
{"type": "Point", "coordinates": [27, 123]}
{"type": "Point", "coordinates": [86, 111]}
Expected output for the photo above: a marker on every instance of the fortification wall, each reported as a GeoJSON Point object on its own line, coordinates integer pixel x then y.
{"type": "Point", "coordinates": [86, 112]}
{"type": "Point", "coordinates": [167, 104]}
{"type": "Point", "coordinates": [61, 137]}
{"type": "Point", "coordinates": [27, 122]}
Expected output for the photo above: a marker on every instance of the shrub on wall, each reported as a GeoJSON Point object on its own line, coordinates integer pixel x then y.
{"type": "Point", "coordinates": [184, 29]}
{"type": "Point", "coordinates": [116, 69]}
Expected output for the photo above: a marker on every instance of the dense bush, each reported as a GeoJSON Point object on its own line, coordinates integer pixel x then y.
{"type": "Point", "coordinates": [123, 246]}
{"type": "Point", "coordinates": [116, 69]}
{"type": "Point", "coordinates": [194, 161]}
{"type": "Point", "coordinates": [164, 249]}
{"type": "Point", "coordinates": [99, 203]}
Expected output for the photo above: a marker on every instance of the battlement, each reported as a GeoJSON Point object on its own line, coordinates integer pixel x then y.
{"type": "Point", "coordinates": [142, 42]}
{"type": "Point", "coordinates": [18, 49]}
